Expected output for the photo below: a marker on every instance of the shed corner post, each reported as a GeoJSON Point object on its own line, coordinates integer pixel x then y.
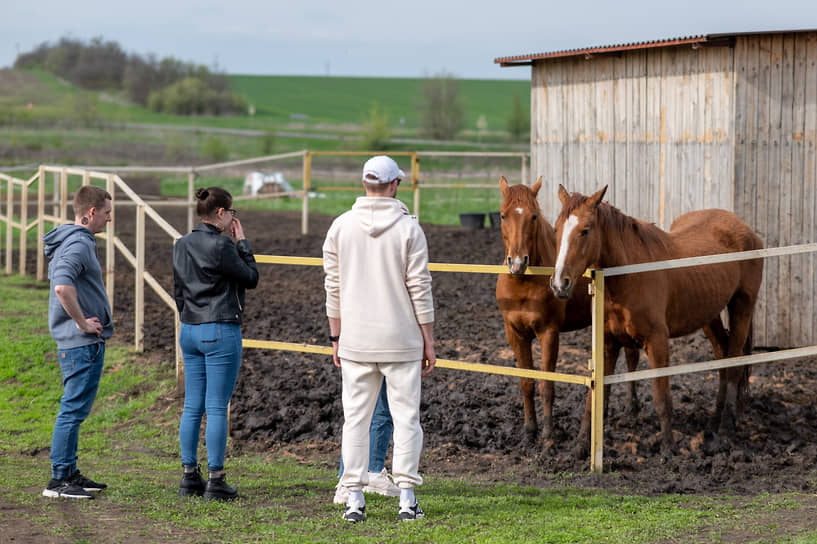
{"type": "Point", "coordinates": [597, 374]}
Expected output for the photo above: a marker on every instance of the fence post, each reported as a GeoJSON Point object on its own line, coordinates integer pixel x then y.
{"type": "Point", "coordinates": [524, 169]}
{"type": "Point", "coordinates": [41, 225]}
{"type": "Point", "coordinates": [191, 180]}
{"type": "Point", "coordinates": [110, 232]}
{"type": "Point", "coordinates": [9, 221]}
{"type": "Point", "coordinates": [597, 374]}
{"type": "Point", "coordinates": [305, 203]}
{"type": "Point", "coordinates": [139, 294]}
{"type": "Point", "coordinates": [63, 196]}
{"type": "Point", "coordinates": [415, 182]}
{"type": "Point", "coordinates": [23, 227]}
{"type": "Point", "coordinates": [179, 359]}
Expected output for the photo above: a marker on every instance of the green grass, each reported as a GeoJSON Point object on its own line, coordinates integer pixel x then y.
{"type": "Point", "coordinates": [326, 104]}
{"type": "Point", "coordinates": [285, 98]}
{"type": "Point", "coordinates": [437, 206]}
{"type": "Point", "coordinates": [130, 442]}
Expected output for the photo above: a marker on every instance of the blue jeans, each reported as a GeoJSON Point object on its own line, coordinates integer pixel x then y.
{"type": "Point", "coordinates": [81, 369]}
{"type": "Point", "coordinates": [212, 357]}
{"type": "Point", "coordinates": [379, 433]}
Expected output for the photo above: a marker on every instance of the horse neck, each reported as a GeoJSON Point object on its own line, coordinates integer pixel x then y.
{"type": "Point", "coordinates": [628, 240]}
{"type": "Point", "coordinates": [543, 248]}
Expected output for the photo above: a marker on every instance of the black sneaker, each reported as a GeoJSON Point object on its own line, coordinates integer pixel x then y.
{"type": "Point", "coordinates": [354, 513]}
{"type": "Point", "coordinates": [410, 513]}
{"type": "Point", "coordinates": [65, 489]}
{"type": "Point", "coordinates": [86, 483]}
{"type": "Point", "coordinates": [192, 484]}
{"type": "Point", "coordinates": [218, 490]}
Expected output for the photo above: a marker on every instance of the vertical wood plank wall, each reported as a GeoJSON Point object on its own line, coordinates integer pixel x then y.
{"type": "Point", "coordinates": [676, 129]}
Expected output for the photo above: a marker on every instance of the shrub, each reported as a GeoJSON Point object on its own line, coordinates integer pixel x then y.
{"type": "Point", "coordinates": [518, 122]}
{"type": "Point", "coordinates": [441, 111]}
{"type": "Point", "coordinates": [375, 134]}
{"type": "Point", "coordinates": [214, 149]}
{"type": "Point", "coordinates": [267, 143]}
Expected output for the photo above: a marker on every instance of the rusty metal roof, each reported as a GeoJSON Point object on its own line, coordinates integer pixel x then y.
{"type": "Point", "coordinates": [695, 41]}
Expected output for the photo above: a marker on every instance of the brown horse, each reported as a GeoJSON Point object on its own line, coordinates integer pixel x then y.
{"type": "Point", "coordinates": [647, 309]}
{"type": "Point", "coordinates": [529, 308]}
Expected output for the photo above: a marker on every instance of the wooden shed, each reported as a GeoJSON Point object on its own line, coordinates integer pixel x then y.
{"type": "Point", "coordinates": [712, 121]}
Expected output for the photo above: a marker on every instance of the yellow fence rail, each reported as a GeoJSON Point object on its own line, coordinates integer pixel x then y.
{"type": "Point", "coordinates": [595, 381]}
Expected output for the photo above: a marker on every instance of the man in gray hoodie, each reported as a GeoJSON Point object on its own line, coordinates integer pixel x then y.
{"type": "Point", "coordinates": [381, 320]}
{"type": "Point", "coordinates": [79, 318]}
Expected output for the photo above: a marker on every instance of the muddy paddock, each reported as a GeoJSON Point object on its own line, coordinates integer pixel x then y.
{"type": "Point", "coordinates": [473, 421]}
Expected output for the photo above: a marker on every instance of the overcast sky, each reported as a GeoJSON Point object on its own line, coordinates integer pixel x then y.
{"type": "Point", "coordinates": [390, 39]}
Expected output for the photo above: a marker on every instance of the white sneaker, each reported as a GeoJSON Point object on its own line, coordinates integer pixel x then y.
{"type": "Point", "coordinates": [381, 483]}
{"type": "Point", "coordinates": [341, 495]}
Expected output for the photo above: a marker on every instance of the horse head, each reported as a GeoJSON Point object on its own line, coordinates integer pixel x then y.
{"type": "Point", "coordinates": [521, 224]}
{"type": "Point", "coordinates": [578, 239]}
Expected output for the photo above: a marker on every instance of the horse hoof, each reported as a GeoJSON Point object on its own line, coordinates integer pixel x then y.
{"type": "Point", "coordinates": [548, 446]}
{"type": "Point", "coordinates": [580, 451]}
{"type": "Point", "coordinates": [712, 444]}
{"type": "Point", "coordinates": [530, 439]}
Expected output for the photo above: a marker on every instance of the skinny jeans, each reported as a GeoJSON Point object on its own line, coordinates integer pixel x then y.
{"type": "Point", "coordinates": [361, 387]}
{"type": "Point", "coordinates": [212, 357]}
{"type": "Point", "coordinates": [81, 370]}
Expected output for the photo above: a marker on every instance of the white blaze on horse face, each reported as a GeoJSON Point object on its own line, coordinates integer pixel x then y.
{"type": "Point", "coordinates": [519, 211]}
{"type": "Point", "coordinates": [568, 227]}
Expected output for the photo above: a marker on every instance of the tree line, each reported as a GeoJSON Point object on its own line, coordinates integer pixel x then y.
{"type": "Point", "coordinates": [166, 86]}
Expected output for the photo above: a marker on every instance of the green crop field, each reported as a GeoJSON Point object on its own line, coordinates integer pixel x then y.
{"type": "Point", "coordinates": [348, 100]}
{"type": "Point", "coordinates": [327, 103]}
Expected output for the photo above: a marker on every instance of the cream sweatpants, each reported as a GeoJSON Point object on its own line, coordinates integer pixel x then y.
{"type": "Point", "coordinates": [361, 386]}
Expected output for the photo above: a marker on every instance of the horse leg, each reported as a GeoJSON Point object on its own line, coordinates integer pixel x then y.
{"type": "Point", "coordinates": [719, 339]}
{"type": "Point", "coordinates": [632, 354]}
{"type": "Point", "coordinates": [581, 448]}
{"type": "Point", "coordinates": [521, 345]}
{"type": "Point", "coordinates": [612, 348]}
{"type": "Point", "coordinates": [549, 340]}
{"type": "Point", "coordinates": [737, 378]}
{"type": "Point", "coordinates": [657, 347]}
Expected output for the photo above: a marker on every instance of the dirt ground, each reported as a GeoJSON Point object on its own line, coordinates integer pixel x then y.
{"type": "Point", "coordinates": [473, 421]}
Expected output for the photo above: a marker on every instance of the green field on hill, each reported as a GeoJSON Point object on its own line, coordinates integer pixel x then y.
{"type": "Point", "coordinates": [348, 100]}
{"type": "Point", "coordinates": [309, 103]}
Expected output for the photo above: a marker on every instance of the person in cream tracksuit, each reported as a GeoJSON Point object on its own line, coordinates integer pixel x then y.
{"type": "Point", "coordinates": [381, 320]}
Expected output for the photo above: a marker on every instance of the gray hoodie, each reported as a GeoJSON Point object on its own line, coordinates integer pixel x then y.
{"type": "Point", "coordinates": [71, 250]}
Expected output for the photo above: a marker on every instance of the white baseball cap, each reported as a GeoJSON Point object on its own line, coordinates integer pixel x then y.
{"type": "Point", "coordinates": [381, 169]}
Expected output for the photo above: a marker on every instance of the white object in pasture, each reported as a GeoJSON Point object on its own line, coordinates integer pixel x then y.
{"type": "Point", "coordinates": [260, 182]}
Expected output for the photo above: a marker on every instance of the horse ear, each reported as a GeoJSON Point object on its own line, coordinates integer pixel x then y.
{"type": "Point", "coordinates": [595, 200]}
{"type": "Point", "coordinates": [536, 186]}
{"type": "Point", "coordinates": [563, 194]}
{"type": "Point", "coordinates": [503, 185]}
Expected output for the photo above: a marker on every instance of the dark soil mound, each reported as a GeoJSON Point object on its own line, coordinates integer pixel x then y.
{"type": "Point", "coordinates": [473, 421]}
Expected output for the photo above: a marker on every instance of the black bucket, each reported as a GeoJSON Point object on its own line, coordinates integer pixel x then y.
{"type": "Point", "coordinates": [472, 220]}
{"type": "Point", "coordinates": [496, 219]}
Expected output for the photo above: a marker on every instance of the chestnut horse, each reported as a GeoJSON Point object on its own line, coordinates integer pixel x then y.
{"type": "Point", "coordinates": [529, 308]}
{"type": "Point", "coordinates": [646, 309]}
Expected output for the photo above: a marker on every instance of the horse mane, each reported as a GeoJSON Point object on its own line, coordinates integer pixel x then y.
{"type": "Point", "coordinates": [631, 231]}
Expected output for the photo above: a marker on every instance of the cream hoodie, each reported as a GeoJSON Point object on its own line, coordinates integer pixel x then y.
{"type": "Point", "coordinates": [377, 281]}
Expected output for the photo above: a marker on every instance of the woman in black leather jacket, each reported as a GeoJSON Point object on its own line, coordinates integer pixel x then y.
{"type": "Point", "coordinates": [210, 274]}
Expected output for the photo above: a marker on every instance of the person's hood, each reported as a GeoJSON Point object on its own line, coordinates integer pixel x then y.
{"type": "Point", "coordinates": [54, 239]}
{"type": "Point", "coordinates": [377, 214]}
